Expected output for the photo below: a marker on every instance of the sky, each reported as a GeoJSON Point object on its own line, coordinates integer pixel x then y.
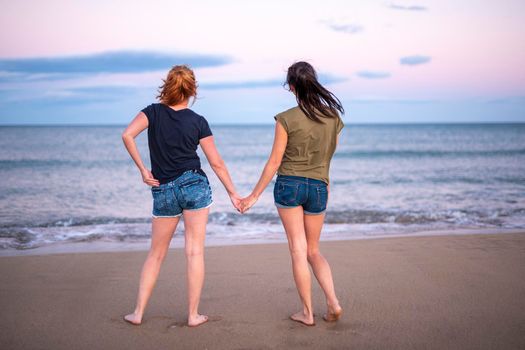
{"type": "Point", "coordinates": [420, 61]}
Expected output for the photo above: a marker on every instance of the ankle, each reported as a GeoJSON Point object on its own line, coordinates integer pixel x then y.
{"type": "Point", "coordinates": [333, 303]}
{"type": "Point", "coordinates": [308, 312]}
{"type": "Point", "coordinates": [138, 312]}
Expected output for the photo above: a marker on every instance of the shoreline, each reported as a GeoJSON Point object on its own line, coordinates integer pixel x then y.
{"type": "Point", "coordinates": [430, 292]}
{"type": "Point", "coordinates": [178, 242]}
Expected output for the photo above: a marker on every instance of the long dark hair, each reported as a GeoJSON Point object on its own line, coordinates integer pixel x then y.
{"type": "Point", "coordinates": [313, 98]}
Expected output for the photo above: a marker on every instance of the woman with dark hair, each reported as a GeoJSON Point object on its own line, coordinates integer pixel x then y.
{"type": "Point", "coordinates": [179, 186]}
{"type": "Point", "coordinates": [304, 143]}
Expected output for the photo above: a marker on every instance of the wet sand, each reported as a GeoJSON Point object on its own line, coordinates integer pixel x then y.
{"type": "Point", "coordinates": [438, 292]}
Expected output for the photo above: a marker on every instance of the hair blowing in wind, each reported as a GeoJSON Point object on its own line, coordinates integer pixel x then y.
{"type": "Point", "coordinates": [179, 85]}
{"type": "Point", "coordinates": [314, 99]}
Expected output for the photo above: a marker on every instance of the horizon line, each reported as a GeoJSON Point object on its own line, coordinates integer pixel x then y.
{"type": "Point", "coordinates": [269, 124]}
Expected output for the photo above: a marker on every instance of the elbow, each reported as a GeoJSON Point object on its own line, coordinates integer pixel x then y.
{"type": "Point", "coordinates": [274, 164]}
{"type": "Point", "coordinates": [218, 165]}
{"type": "Point", "coordinates": [126, 136]}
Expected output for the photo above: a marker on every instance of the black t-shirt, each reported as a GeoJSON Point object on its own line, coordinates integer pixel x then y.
{"type": "Point", "coordinates": [173, 138]}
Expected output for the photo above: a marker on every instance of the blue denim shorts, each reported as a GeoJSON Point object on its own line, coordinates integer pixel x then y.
{"type": "Point", "coordinates": [190, 191]}
{"type": "Point", "coordinates": [294, 191]}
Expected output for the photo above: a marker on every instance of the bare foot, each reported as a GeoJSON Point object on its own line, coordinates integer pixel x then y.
{"type": "Point", "coordinates": [304, 319]}
{"type": "Point", "coordinates": [133, 319]}
{"type": "Point", "coordinates": [197, 320]}
{"type": "Point", "coordinates": [333, 314]}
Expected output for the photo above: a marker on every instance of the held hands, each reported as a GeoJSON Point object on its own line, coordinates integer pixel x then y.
{"type": "Point", "coordinates": [242, 205]}
{"type": "Point", "coordinates": [247, 203]}
{"type": "Point", "coordinates": [236, 201]}
{"type": "Point", "coordinates": [148, 179]}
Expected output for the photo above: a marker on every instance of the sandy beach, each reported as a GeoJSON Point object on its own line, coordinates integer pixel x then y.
{"type": "Point", "coordinates": [439, 292]}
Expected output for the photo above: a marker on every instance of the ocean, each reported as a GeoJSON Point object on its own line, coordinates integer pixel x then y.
{"type": "Point", "coordinates": [76, 186]}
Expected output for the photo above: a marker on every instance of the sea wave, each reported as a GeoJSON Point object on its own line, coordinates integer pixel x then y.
{"type": "Point", "coordinates": [350, 216]}
{"type": "Point", "coordinates": [420, 153]}
{"type": "Point", "coordinates": [45, 163]}
{"type": "Point", "coordinates": [228, 224]}
{"type": "Point", "coordinates": [360, 154]}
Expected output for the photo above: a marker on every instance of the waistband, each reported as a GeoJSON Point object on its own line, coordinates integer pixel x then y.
{"type": "Point", "coordinates": [183, 174]}
{"type": "Point", "coordinates": [301, 179]}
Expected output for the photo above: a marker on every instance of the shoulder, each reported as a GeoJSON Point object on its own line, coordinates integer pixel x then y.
{"type": "Point", "coordinates": [151, 111]}
{"type": "Point", "coordinates": [289, 116]}
{"type": "Point", "coordinates": [153, 107]}
{"type": "Point", "coordinates": [293, 112]}
{"type": "Point", "coordinates": [200, 122]}
{"type": "Point", "coordinates": [339, 124]}
{"type": "Point", "coordinates": [196, 117]}
{"type": "Point", "coordinates": [193, 113]}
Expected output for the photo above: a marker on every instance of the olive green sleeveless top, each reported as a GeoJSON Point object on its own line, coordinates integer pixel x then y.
{"type": "Point", "coordinates": [310, 146]}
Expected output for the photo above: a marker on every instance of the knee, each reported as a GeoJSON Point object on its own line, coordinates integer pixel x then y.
{"type": "Point", "coordinates": [157, 256]}
{"type": "Point", "coordinates": [194, 252]}
{"type": "Point", "coordinates": [313, 254]}
{"type": "Point", "coordinates": [298, 251]}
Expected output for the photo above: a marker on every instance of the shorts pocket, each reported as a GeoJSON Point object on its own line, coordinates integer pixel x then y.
{"type": "Point", "coordinates": [159, 199]}
{"type": "Point", "coordinates": [322, 197]}
{"type": "Point", "coordinates": [196, 193]}
{"type": "Point", "coordinates": [286, 193]}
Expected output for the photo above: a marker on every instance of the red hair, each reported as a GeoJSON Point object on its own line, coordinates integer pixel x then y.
{"type": "Point", "coordinates": [179, 85]}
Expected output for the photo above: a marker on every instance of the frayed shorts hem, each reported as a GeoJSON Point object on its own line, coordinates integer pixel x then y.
{"type": "Point", "coordinates": [165, 216]}
{"type": "Point", "coordinates": [178, 215]}
{"type": "Point", "coordinates": [195, 209]}
{"type": "Point", "coordinates": [306, 212]}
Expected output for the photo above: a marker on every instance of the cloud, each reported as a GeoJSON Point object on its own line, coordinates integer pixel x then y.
{"type": "Point", "coordinates": [414, 60]}
{"type": "Point", "coordinates": [373, 74]}
{"type": "Point", "coordinates": [106, 93]}
{"type": "Point", "coordinates": [109, 62]}
{"type": "Point", "coordinates": [325, 79]}
{"type": "Point", "coordinates": [248, 84]}
{"type": "Point", "coordinates": [407, 8]}
{"type": "Point", "coordinates": [348, 28]}
{"type": "Point", "coordinates": [507, 100]}
{"type": "Point", "coordinates": [62, 96]}
{"type": "Point", "coordinates": [386, 100]}
{"type": "Point", "coordinates": [18, 77]}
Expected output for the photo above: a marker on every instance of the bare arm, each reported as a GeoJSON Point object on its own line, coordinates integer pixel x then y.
{"type": "Point", "coordinates": [137, 125]}
{"type": "Point", "coordinates": [271, 167]}
{"type": "Point", "coordinates": [219, 167]}
{"type": "Point", "coordinates": [336, 144]}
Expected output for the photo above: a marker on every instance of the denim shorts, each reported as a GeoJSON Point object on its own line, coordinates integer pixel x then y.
{"type": "Point", "coordinates": [190, 191]}
{"type": "Point", "coordinates": [294, 191]}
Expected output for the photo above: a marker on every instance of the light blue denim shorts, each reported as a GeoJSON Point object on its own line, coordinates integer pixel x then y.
{"type": "Point", "coordinates": [190, 191]}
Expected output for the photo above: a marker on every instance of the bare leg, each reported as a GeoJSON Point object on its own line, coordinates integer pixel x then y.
{"type": "Point", "coordinates": [292, 219]}
{"type": "Point", "coordinates": [313, 225]}
{"type": "Point", "coordinates": [162, 232]}
{"type": "Point", "coordinates": [195, 231]}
